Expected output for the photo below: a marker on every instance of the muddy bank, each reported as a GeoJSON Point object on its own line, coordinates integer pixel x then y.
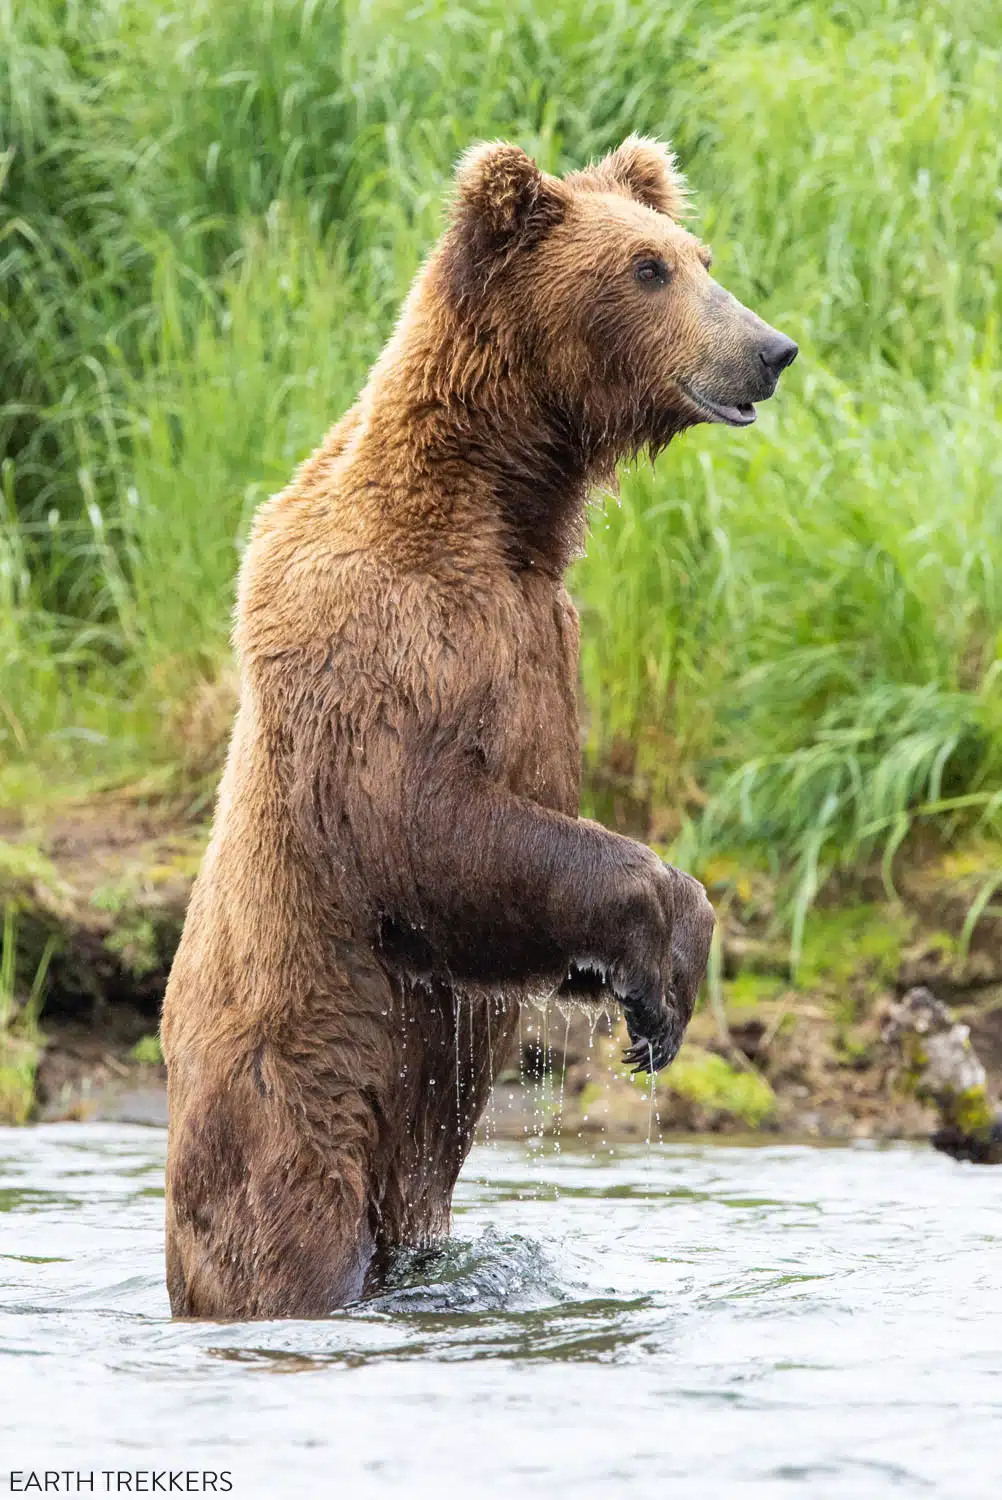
{"type": "Point", "coordinates": [770, 1049]}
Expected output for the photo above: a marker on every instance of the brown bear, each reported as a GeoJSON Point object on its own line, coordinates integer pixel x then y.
{"type": "Point", "coordinates": [397, 859]}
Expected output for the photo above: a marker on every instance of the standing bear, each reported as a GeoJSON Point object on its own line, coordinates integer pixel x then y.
{"type": "Point", "coordinates": [397, 859]}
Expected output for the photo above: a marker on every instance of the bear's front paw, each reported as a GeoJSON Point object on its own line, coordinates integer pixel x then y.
{"type": "Point", "coordinates": [659, 997]}
{"type": "Point", "coordinates": [657, 932]}
{"type": "Point", "coordinates": [656, 1032]}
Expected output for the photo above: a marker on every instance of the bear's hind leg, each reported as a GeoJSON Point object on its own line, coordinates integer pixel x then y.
{"type": "Point", "coordinates": [264, 1221]}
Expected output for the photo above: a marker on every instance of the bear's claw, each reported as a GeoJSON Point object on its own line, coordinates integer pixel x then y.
{"type": "Point", "coordinates": [649, 1057]}
{"type": "Point", "coordinates": [649, 1054]}
{"type": "Point", "coordinates": [640, 1057]}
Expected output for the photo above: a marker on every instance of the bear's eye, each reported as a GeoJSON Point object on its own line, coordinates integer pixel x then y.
{"type": "Point", "coordinates": [651, 272]}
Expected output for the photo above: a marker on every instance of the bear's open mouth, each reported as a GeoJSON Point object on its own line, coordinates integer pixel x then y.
{"type": "Point", "coordinates": [741, 415]}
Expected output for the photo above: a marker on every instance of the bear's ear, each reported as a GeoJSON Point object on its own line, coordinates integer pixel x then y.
{"type": "Point", "coordinates": [647, 171]}
{"type": "Point", "coordinates": [503, 201]}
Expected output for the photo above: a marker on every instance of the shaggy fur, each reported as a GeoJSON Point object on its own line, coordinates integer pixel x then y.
{"type": "Point", "coordinates": [397, 858]}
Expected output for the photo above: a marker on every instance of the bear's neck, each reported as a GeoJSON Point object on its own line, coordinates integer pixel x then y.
{"type": "Point", "coordinates": [475, 447]}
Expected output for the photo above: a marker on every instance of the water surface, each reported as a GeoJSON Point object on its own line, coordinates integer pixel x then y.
{"type": "Point", "coordinates": [692, 1320]}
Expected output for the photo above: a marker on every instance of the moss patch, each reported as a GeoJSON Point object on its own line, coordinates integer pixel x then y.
{"type": "Point", "coordinates": [972, 1112]}
{"type": "Point", "coordinates": [147, 1050]}
{"type": "Point", "coordinates": [854, 941]}
{"type": "Point", "coordinates": [133, 937]}
{"type": "Point", "coordinates": [22, 862]}
{"type": "Point", "coordinates": [710, 1081]}
{"type": "Point", "coordinates": [748, 990]}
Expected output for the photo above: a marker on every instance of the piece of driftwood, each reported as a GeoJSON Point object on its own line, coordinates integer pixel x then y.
{"type": "Point", "coordinates": [942, 1067]}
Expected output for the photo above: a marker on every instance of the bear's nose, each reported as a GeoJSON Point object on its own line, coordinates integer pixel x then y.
{"type": "Point", "coordinates": [776, 353]}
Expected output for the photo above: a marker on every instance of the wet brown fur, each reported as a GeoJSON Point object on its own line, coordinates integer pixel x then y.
{"type": "Point", "coordinates": [397, 857]}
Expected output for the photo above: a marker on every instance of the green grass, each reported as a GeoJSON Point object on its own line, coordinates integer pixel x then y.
{"type": "Point", "coordinates": [21, 1041]}
{"type": "Point", "coordinates": [208, 216]}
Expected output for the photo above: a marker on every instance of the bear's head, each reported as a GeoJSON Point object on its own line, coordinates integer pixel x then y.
{"type": "Point", "coordinates": [592, 291]}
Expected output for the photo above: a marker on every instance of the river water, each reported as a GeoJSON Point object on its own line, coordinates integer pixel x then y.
{"type": "Point", "coordinates": [689, 1319]}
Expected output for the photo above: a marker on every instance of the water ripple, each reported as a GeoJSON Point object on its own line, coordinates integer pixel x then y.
{"type": "Point", "coordinates": [778, 1322]}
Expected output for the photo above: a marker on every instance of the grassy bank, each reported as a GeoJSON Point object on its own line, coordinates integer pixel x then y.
{"type": "Point", "coordinates": [208, 215]}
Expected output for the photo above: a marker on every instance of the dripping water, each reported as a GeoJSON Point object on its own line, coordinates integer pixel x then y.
{"type": "Point", "coordinates": [489, 1114]}
{"type": "Point", "coordinates": [565, 1011]}
{"type": "Point", "coordinates": [459, 1086]}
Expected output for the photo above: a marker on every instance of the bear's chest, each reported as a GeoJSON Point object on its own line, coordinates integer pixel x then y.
{"type": "Point", "coordinates": [535, 747]}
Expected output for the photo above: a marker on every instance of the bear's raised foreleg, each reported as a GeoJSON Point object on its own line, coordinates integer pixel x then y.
{"type": "Point", "coordinates": [500, 891]}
